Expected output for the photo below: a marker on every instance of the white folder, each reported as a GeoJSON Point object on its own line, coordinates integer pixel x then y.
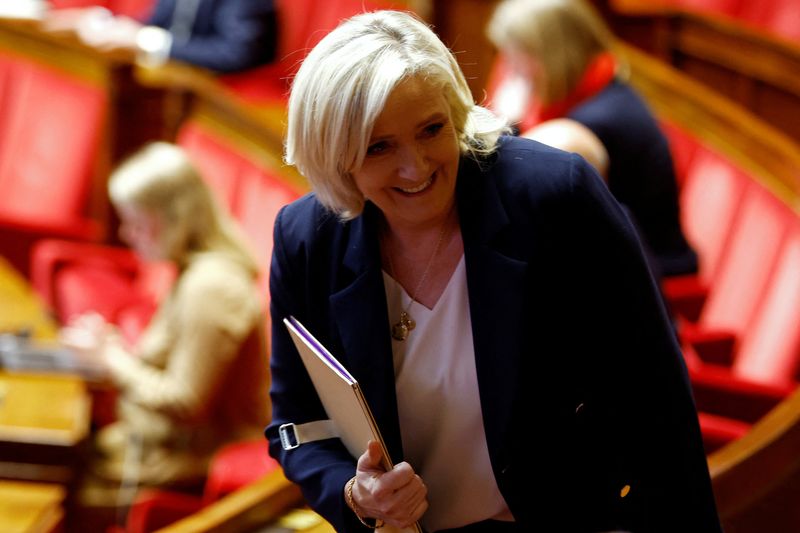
{"type": "Point", "coordinates": [342, 399]}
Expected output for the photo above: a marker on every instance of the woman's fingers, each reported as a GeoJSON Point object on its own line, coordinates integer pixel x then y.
{"type": "Point", "coordinates": [398, 497]}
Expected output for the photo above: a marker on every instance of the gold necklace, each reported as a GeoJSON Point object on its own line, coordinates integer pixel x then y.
{"type": "Point", "coordinates": [403, 327]}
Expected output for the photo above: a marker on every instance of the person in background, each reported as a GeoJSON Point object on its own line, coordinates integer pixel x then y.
{"type": "Point", "coordinates": [491, 299]}
{"type": "Point", "coordinates": [560, 51]}
{"type": "Point", "coordinates": [196, 377]}
{"type": "Point", "coordinates": [572, 136]}
{"type": "Point", "coordinates": [221, 35]}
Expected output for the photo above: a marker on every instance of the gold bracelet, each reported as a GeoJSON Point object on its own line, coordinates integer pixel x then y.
{"type": "Point", "coordinates": [352, 504]}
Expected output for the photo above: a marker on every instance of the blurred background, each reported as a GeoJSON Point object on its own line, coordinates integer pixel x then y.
{"type": "Point", "coordinates": [85, 84]}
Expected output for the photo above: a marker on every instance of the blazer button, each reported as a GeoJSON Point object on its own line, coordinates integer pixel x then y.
{"type": "Point", "coordinates": [625, 490]}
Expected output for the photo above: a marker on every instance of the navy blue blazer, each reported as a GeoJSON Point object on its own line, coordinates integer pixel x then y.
{"type": "Point", "coordinates": [226, 35]}
{"type": "Point", "coordinates": [588, 414]}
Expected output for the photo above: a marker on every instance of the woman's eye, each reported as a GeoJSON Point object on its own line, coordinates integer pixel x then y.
{"type": "Point", "coordinates": [431, 130]}
{"type": "Point", "coordinates": [377, 148]}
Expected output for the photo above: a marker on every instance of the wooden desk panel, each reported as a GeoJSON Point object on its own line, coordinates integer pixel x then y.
{"type": "Point", "coordinates": [30, 507]}
{"type": "Point", "coordinates": [43, 409]}
{"type": "Point", "coordinates": [20, 307]}
{"type": "Point", "coordinates": [44, 421]}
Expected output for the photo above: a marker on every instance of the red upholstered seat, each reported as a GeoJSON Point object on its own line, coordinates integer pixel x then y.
{"type": "Point", "coordinates": [746, 264]}
{"type": "Point", "coordinates": [262, 194]}
{"type": "Point", "coordinates": [74, 278]}
{"type": "Point", "coordinates": [236, 465]}
{"type": "Point", "coordinates": [220, 165]}
{"type": "Point", "coordinates": [768, 351]}
{"type": "Point", "coordinates": [719, 431]}
{"type": "Point", "coordinates": [136, 9]}
{"type": "Point", "coordinates": [780, 17]}
{"type": "Point", "coordinates": [64, 4]}
{"type": "Point", "coordinates": [710, 197]}
{"type": "Point", "coordinates": [48, 155]}
{"type": "Point", "coordinates": [232, 467]}
{"type": "Point", "coordinates": [302, 24]}
{"type": "Point", "coordinates": [252, 192]}
{"type": "Point", "coordinates": [762, 366]}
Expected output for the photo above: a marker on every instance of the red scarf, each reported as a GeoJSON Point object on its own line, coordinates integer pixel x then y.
{"type": "Point", "coordinates": [596, 77]}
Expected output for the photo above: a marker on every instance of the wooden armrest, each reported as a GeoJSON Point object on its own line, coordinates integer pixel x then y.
{"type": "Point", "coordinates": [244, 509]}
{"type": "Point", "coordinates": [761, 467]}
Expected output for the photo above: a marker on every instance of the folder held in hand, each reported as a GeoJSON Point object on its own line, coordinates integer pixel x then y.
{"type": "Point", "coordinates": [343, 400]}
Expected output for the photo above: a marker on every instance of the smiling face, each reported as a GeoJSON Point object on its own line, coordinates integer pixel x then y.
{"type": "Point", "coordinates": [411, 164]}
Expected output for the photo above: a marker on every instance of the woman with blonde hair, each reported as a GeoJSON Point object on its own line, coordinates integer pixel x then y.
{"type": "Point", "coordinates": [562, 54]}
{"type": "Point", "coordinates": [490, 298]}
{"type": "Point", "coordinates": [196, 378]}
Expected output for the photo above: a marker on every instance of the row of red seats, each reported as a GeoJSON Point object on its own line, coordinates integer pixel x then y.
{"type": "Point", "coordinates": [780, 17]}
{"type": "Point", "coordinates": [738, 315]}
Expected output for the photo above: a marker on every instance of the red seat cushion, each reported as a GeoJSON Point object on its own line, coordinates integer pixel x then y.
{"type": "Point", "coordinates": [237, 465]}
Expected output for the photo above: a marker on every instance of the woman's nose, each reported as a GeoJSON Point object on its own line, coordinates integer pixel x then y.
{"type": "Point", "coordinates": [411, 163]}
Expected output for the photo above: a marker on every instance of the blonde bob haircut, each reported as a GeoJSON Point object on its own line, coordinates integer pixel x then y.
{"type": "Point", "coordinates": [161, 180]}
{"type": "Point", "coordinates": [342, 87]}
{"type": "Point", "coordinates": [563, 36]}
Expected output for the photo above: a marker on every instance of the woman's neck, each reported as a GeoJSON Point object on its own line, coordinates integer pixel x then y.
{"type": "Point", "coordinates": [423, 259]}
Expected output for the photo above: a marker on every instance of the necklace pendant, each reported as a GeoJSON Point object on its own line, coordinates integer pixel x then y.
{"type": "Point", "coordinates": [400, 331]}
{"type": "Point", "coordinates": [403, 326]}
{"type": "Point", "coordinates": [407, 321]}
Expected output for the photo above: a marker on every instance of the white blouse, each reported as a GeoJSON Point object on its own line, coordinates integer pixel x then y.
{"type": "Point", "coordinates": [440, 413]}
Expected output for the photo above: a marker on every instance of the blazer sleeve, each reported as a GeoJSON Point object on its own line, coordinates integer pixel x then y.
{"type": "Point", "coordinates": [320, 468]}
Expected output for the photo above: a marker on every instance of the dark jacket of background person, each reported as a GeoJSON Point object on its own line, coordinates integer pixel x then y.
{"type": "Point", "coordinates": [224, 35]}
{"type": "Point", "coordinates": [640, 173]}
{"type": "Point", "coordinates": [588, 429]}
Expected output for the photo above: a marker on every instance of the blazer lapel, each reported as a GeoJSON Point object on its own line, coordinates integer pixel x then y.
{"type": "Point", "coordinates": [359, 310]}
{"type": "Point", "coordinates": [495, 282]}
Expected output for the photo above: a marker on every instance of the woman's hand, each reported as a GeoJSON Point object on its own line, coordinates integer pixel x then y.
{"type": "Point", "coordinates": [88, 336]}
{"type": "Point", "coordinates": [95, 26]}
{"type": "Point", "coordinates": [398, 497]}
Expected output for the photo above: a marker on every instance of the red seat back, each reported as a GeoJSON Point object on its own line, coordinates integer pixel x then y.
{"type": "Point", "coordinates": [48, 147]}
{"type": "Point", "coordinates": [781, 17]}
{"type": "Point", "coordinates": [217, 162]}
{"type": "Point", "coordinates": [748, 262]}
{"type": "Point", "coordinates": [136, 9]}
{"type": "Point", "coordinates": [262, 194]}
{"type": "Point", "coordinates": [237, 465]}
{"type": "Point", "coordinates": [769, 351]}
{"type": "Point", "coordinates": [302, 24]}
{"type": "Point", "coordinates": [710, 198]}
{"type": "Point", "coordinates": [252, 192]}
{"type": "Point", "coordinates": [65, 4]}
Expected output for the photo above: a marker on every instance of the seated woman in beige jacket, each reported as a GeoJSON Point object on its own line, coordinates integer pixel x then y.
{"type": "Point", "coordinates": [197, 377]}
